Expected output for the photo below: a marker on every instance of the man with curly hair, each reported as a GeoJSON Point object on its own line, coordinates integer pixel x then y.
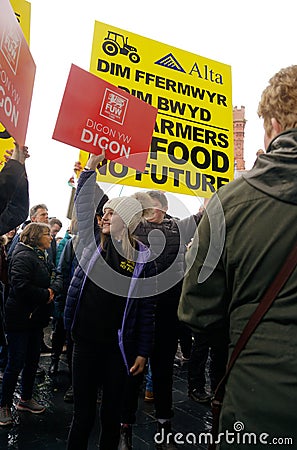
{"type": "Point", "coordinates": [254, 219]}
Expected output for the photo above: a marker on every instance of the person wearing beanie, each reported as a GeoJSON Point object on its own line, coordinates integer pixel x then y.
{"type": "Point", "coordinates": [131, 211]}
{"type": "Point", "coordinates": [110, 308]}
{"type": "Point", "coordinates": [167, 239]}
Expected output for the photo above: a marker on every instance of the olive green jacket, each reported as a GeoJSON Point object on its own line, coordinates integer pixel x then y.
{"type": "Point", "coordinates": [252, 225]}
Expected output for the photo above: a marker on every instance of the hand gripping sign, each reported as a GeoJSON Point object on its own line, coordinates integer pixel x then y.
{"type": "Point", "coordinates": [95, 115]}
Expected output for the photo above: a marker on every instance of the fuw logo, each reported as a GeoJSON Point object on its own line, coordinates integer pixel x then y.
{"type": "Point", "coordinates": [170, 62]}
{"type": "Point", "coordinates": [11, 47]}
{"type": "Point", "coordinates": [114, 106]}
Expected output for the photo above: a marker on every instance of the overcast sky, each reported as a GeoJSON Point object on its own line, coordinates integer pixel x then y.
{"type": "Point", "coordinates": [255, 38]}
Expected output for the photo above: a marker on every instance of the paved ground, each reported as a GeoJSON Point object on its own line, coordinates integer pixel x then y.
{"type": "Point", "coordinates": [49, 430]}
{"type": "Point", "coordinates": [190, 417]}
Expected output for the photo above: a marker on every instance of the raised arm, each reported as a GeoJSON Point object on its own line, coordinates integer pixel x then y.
{"type": "Point", "coordinates": [87, 197]}
{"type": "Point", "coordinates": [14, 193]}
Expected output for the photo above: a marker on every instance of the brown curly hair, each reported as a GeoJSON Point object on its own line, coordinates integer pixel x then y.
{"type": "Point", "coordinates": [279, 100]}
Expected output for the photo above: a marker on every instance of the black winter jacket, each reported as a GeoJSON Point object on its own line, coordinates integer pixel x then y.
{"type": "Point", "coordinates": [167, 242]}
{"type": "Point", "coordinates": [14, 196]}
{"type": "Point", "coordinates": [30, 276]}
{"type": "Point", "coordinates": [136, 333]}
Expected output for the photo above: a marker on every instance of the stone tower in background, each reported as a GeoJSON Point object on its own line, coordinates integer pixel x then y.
{"type": "Point", "coordinates": [238, 131]}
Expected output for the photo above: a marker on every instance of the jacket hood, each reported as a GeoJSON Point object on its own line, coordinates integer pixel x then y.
{"type": "Point", "coordinates": [20, 248]}
{"type": "Point", "coordinates": [275, 172]}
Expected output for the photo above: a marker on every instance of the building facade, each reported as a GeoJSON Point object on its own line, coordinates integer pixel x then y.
{"type": "Point", "coordinates": [238, 132]}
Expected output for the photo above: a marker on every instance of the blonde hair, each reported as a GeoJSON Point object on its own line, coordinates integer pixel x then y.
{"type": "Point", "coordinates": [128, 243]}
{"type": "Point", "coordinates": [145, 199]}
{"type": "Point", "coordinates": [279, 100]}
{"type": "Point", "coordinates": [73, 227]}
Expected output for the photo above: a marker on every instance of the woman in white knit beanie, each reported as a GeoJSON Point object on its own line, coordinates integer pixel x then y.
{"type": "Point", "coordinates": [121, 217]}
{"type": "Point", "coordinates": [110, 308]}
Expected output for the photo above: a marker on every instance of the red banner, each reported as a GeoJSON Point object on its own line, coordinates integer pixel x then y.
{"type": "Point", "coordinates": [96, 115]}
{"type": "Point", "coordinates": [17, 73]}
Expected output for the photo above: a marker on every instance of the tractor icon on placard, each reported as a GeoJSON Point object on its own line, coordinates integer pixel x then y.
{"type": "Point", "coordinates": [116, 43]}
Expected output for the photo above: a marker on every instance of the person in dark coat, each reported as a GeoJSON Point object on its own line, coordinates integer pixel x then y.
{"type": "Point", "coordinates": [67, 265]}
{"type": "Point", "coordinates": [4, 249]}
{"type": "Point", "coordinates": [109, 308]}
{"type": "Point", "coordinates": [167, 238]}
{"type": "Point", "coordinates": [14, 195]}
{"type": "Point", "coordinates": [240, 246]}
{"type": "Point", "coordinates": [14, 199]}
{"type": "Point", "coordinates": [33, 284]}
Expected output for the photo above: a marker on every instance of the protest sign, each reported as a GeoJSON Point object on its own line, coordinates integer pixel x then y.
{"type": "Point", "coordinates": [17, 73]}
{"type": "Point", "coordinates": [95, 115]}
{"type": "Point", "coordinates": [22, 10]}
{"type": "Point", "coordinates": [191, 150]}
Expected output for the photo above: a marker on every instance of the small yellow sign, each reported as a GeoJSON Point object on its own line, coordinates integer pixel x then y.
{"type": "Point", "coordinates": [22, 11]}
{"type": "Point", "coordinates": [192, 145]}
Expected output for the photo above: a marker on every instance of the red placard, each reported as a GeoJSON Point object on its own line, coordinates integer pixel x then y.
{"type": "Point", "coordinates": [17, 73]}
{"type": "Point", "coordinates": [96, 115]}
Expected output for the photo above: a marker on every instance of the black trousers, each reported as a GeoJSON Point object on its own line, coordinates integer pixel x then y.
{"type": "Point", "coordinates": [204, 346]}
{"type": "Point", "coordinates": [130, 398]}
{"type": "Point", "coordinates": [162, 361]}
{"type": "Point", "coordinates": [185, 340]}
{"type": "Point", "coordinates": [23, 356]}
{"type": "Point", "coordinates": [58, 338]}
{"type": "Point", "coordinates": [94, 366]}
{"type": "Point", "coordinates": [69, 352]}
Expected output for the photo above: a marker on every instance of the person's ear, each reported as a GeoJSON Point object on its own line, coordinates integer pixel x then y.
{"type": "Point", "coordinates": [276, 127]}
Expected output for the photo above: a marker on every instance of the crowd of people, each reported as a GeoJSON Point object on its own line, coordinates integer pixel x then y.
{"type": "Point", "coordinates": [128, 282]}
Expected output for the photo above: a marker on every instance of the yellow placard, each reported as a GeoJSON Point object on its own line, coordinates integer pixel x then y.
{"type": "Point", "coordinates": [22, 11]}
{"type": "Point", "coordinates": [192, 145]}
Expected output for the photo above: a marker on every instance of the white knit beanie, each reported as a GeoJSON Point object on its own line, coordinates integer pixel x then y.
{"type": "Point", "coordinates": [128, 208]}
